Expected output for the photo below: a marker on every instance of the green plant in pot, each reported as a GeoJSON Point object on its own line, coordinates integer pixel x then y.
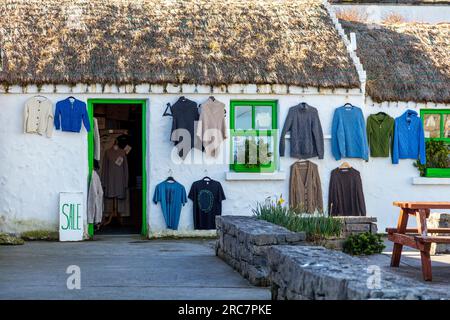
{"type": "Point", "coordinates": [255, 153]}
{"type": "Point", "coordinates": [436, 155]}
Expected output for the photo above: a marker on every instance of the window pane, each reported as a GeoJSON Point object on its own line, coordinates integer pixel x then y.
{"type": "Point", "coordinates": [263, 118]}
{"type": "Point", "coordinates": [253, 151]}
{"type": "Point", "coordinates": [243, 117]}
{"type": "Point", "coordinates": [446, 126]}
{"type": "Point", "coordinates": [432, 126]}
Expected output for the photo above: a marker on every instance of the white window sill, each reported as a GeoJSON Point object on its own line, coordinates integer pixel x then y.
{"type": "Point", "coordinates": [251, 176]}
{"type": "Point", "coordinates": [430, 181]}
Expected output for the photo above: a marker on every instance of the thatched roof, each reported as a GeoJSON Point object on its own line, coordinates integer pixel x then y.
{"type": "Point", "coordinates": [404, 62]}
{"type": "Point", "coordinates": [412, 2]}
{"type": "Point", "coordinates": [172, 41]}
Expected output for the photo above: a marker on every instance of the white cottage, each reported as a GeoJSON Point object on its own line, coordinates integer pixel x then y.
{"type": "Point", "coordinates": [408, 67]}
{"type": "Point", "coordinates": [128, 59]}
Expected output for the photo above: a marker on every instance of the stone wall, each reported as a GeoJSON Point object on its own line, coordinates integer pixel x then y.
{"type": "Point", "coordinates": [355, 225]}
{"type": "Point", "coordinates": [244, 241]}
{"type": "Point", "coordinates": [439, 220]}
{"type": "Point", "coordinates": [316, 273]}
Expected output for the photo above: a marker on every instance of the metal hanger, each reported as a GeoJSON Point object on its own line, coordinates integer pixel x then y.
{"type": "Point", "coordinates": [169, 107]}
{"type": "Point", "coordinates": [206, 178]}
{"type": "Point", "coordinates": [348, 104]}
{"type": "Point", "coordinates": [170, 178]}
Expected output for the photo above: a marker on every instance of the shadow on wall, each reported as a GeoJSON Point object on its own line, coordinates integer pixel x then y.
{"type": "Point", "coordinates": [406, 62]}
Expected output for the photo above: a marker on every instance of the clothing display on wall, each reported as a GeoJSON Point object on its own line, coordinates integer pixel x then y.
{"type": "Point", "coordinates": [95, 200]}
{"type": "Point", "coordinates": [304, 125]}
{"type": "Point", "coordinates": [380, 133]}
{"type": "Point", "coordinates": [172, 196]}
{"type": "Point", "coordinates": [115, 173]}
{"type": "Point", "coordinates": [345, 196]}
{"type": "Point", "coordinates": [211, 128]}
{"type": "Point", "coordinates": [409, 138]}
{"type": "Point", "coordinates": [96, 141]}
{"type": "Point", "coordinates": [207, 196]}
{"type": "Point", "coordinates": [69, 113]}
{"type": "Point", "coordinates": [38, 116]}
{"type": "Point", "coordinates": [184, 116]}
{"type": "Point", "coordinates": [348, 133]}
{"type": "Point", "coordinates": [305, 188]}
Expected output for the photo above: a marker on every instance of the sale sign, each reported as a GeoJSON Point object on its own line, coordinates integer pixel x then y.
{"type": "Point", "coordinates": [71, 216]}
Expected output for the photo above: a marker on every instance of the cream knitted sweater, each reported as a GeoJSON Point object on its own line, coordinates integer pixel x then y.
{"type": "Point", "coordinates": [38, 116]}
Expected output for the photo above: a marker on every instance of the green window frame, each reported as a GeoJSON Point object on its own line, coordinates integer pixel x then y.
{"type": "Point", "coordinates": [441, 113]}
{"type": "Point", "coordinates": [260, 135]}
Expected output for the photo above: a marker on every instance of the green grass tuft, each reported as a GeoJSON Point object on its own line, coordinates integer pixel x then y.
{"type": "Point", "coordinates": [47, 235]}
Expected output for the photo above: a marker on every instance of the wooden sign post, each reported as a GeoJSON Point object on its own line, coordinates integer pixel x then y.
{"type": "Point", "coordinates": [71, 216]}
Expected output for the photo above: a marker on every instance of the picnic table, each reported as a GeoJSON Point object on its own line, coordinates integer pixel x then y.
{"type": "Point", "coordinates": [419, 237]}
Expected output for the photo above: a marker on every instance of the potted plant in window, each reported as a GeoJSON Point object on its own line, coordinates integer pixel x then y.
{"type": "Point", "coordinates": [437, 155]}
{"type": "Point", "coordinates": [254, 156]}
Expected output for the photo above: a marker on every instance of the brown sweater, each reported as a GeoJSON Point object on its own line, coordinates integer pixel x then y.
{"type": "Point", "coordinates": [346, 197]}
{"type": "Point", "coordinates": [305, 190]}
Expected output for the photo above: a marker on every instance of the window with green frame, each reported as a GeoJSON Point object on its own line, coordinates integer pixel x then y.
{"type": "Point", "coordinates": [253, 129]}
{"type": "Point", "coordinates": [436, 126]}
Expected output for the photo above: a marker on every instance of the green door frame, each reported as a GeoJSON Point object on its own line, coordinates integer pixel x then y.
{"type": "Point", "coordinates": [143, 104]}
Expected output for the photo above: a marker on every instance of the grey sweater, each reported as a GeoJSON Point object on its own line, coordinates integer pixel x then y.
{"type": "Point", "coordinates": [306, 132]}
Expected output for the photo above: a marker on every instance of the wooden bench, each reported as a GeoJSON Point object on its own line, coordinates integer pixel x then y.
{"type": "Point", "coordinates": [419, 237]}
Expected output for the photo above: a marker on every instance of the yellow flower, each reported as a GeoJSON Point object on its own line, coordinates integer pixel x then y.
{"type": "Point", "coordinates": [280, 201]}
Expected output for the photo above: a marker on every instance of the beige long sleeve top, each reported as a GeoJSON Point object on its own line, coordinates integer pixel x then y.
{"type": "Point", "coordinates": [211, 127]}
{"type": "Point", "coordinates": [95, 200]}
{"type": "Point", "coordinates": [38, 116]}
{"type": "Point", "coordinates": [305, 189]}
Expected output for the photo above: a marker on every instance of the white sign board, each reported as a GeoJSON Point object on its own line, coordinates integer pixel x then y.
{"type": "Point", "coordinates": [71, 216]}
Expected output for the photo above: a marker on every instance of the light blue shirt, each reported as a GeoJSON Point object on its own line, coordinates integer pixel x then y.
{"type": "Point", "coordinates": [172, 196]}
{"type": "Point", "coordinates": [348, 134]}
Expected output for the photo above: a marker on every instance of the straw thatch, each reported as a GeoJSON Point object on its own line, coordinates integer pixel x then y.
{"type": "Point", "coordinates": [412, 2]}
{"type": "Point", "coordinates": [172, 41]}
{"type": "Point", "coordinates": [404, 62]}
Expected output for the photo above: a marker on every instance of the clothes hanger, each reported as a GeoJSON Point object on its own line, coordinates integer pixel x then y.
{"type": "Point", "coordinates": [212, 98]}
{"type": "Point", "coordinates": [206, 178]}
{"type": "Point", "coordinates": [165, 114]}
{"type": "Point", "coordinates": [170, 178]}
{"type": "Point", "coordinates": [345, 165]}
{"type": "Point", "coordinates": [348, 104]}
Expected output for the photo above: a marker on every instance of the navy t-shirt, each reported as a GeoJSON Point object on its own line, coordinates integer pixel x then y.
{"type": "Point", "coordinates": [207, 197]}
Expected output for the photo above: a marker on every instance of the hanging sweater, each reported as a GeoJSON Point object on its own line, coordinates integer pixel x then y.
{"type": "Point", "coordinates": [95, 200]}
{"type": "Point", "coordinates": [306, 132]}
{"type": "Point", "coordinates": [211, 127]}
{"type": "Point", "coordinates": [305, 189]}
{"type": "Point", "coordinates": [38, 116]}
{"type": "Point", "coordinates": [348, 134]}
{"type": "Point", "coordinates": [409, 140]}
{"type": "Point", "coordinates": [69, 113]}
{"type": "Point", "coordinates": [345, 196]}
{"type": "Point", "coordinates": [380, 131]}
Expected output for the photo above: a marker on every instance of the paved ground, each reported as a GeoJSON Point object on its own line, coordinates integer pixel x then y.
{"type": "Point", "coordinates": [410, 266]}
{"type": "Point", "coordinates": [121, 267]}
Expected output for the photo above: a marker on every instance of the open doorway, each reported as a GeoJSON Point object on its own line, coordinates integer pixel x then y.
{"type": "Point", "coordinates": [122, 136]}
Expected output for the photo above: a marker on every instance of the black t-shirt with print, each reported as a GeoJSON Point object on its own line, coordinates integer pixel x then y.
{"type": "Point", "coordinates": [207, 196]}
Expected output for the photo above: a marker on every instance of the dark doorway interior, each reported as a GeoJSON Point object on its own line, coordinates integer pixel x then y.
{"type": "Point", "coordinates": [122, 124]}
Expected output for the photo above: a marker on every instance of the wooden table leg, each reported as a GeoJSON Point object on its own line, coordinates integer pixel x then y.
{"type": "Point", "coordinates": [421, 217]}
{"type": "Point", "coordinates": [426, 262]}
{"type": "Point", "coordinates": [401, 228]}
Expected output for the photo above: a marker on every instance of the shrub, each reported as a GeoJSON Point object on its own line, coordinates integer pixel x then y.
{"type": "Point", "coordinates": [436, 155]}
{"type": "Point", "coordinates": [352, 14]}
{"type": "Point", "coordinates": [363, 244]}
{"type": "Point", "coordinates": [316, 226]}
{"type": "Point", "coordinates": [393, 18]}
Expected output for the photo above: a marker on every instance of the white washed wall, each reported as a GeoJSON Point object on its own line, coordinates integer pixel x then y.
{"type": "Point", "coordinates": [35, 169]}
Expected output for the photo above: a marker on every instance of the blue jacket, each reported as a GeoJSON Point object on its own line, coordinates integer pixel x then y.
{"type": "Point", "coordinates": [409, 140]}
{"type": "Point", "coordinates": [348, 134]}
{"type": "Point", "coordinates": [69, 113]}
